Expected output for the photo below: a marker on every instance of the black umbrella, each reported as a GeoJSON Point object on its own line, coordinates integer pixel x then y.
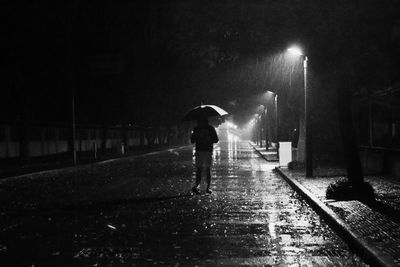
{"type": "Point", "coordinates": [204, 111]}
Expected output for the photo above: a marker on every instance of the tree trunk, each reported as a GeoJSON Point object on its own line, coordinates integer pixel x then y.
{"type": "Point", "coordinates": [349, 141]}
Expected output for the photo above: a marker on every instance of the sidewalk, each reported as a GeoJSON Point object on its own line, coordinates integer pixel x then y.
{"type": "Point", "coordinates": [371, 229]}
{"type": "Point", "coordinates": [270, 155]}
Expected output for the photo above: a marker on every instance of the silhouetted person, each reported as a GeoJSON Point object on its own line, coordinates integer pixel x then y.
{"type": "Point", "coordinates": [204, 136]}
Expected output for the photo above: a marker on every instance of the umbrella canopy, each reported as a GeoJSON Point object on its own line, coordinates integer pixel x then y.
{"type": "Point", "coordinates": [204, 111]}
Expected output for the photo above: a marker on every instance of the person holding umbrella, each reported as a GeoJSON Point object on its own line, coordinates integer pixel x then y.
{"type": "Point", "coordinates": [203, 136]}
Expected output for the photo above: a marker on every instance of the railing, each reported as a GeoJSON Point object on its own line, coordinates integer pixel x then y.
{"type": "Point", "coordinates": [41, 139]}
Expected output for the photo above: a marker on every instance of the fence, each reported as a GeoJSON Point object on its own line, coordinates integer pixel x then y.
{"type": "Point", "coordinates": [39, 139]}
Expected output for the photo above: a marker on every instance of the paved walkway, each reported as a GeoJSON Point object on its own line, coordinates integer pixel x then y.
{"type": "Point", "coordinates": [376, 225]}
{"type": "Point", "coordinates": [139, 211]}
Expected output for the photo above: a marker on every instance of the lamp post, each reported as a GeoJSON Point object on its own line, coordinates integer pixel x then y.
{"type": "Point", "coordinates": [259, 114]}
{"type": "Point", "coordinates": [276, 114]}
{"type": "Point", "coordinates": [257, 131]}
{"type": "Point", "coordinates": [257, 128]}
{"type": "Point", "coordinates": [307, 112]}
{"type": "Point", "coordinates": [260, 132]}
{"type": "Point", "coordinates": [266, 127]}
{"type": "Point", "coordinates": [276, 120]}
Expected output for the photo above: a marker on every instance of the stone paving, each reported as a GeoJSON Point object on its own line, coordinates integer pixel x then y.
{"type": "Point", "coordinates": [377, 223]}
{"type": "Point", "coordinates": [377, 228]}
{"type": "Point", "coordinates": [139, 211]}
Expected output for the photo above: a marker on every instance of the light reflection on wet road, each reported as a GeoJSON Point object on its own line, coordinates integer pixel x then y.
{"type": "Point", "coordinates": [140, 212]}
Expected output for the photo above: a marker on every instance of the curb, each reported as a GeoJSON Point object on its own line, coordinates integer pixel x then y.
{"type": "Point", "coordinates": [362, 247]}
{"type": "Point", "coordinates": [262, 155]}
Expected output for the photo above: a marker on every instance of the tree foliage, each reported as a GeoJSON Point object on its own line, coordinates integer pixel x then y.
{"type": "Point", "coordinates": [175, 54]}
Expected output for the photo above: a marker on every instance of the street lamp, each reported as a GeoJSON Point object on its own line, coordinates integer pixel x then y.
{"type": "Point", "coordinates": [307, 118]}
{"type": "Point", "coordinates": [256, 128]}
{"type": "Point", "coordinates": [266, 127]}
{"type": "Point", "coordinates": [259, 117]}
{"type": "Point", "coordinates": [260, 113]}
{"type": "Point", "coordinates": [261, 131]}
{"type": "Point", "coordinates": [276, 114]}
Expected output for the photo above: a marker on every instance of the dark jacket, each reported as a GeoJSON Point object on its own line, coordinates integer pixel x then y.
{"type": "Point", "coordinates": [204, 137]}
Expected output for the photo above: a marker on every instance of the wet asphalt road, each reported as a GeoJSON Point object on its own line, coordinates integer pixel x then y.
{"type": "Point", "coordinates": [140, 211]}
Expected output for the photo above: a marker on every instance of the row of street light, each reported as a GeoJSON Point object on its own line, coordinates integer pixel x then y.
{"type": "Point", "coordinates": [305, 138]}
{"type": "Point", "coordinates": [307, 112]}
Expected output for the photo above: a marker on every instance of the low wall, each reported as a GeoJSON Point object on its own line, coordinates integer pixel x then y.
{"type": "Point", "coordinates": [381, 160]}
{"type": "Point", "coordinates": [49, 140]}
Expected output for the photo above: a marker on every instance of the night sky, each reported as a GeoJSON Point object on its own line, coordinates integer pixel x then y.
{"type": "Point", "coordinates": [148, 62]}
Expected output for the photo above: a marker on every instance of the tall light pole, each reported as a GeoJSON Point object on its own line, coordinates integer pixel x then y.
{"type": "Point", "coordinates": [276, 120]}
{"type": "Point", "coordinates": [266, 127]}
{"type": "Point", "coordinates": [257, 128]}
{"type": "Point", "coordinates": [307, 112]}
{"type": "Point", "coordinates": [260, 113]}
{"type": "Point", "coordinates": [260, 120]}
{"type": "Point", "coordinates": [276, 114]}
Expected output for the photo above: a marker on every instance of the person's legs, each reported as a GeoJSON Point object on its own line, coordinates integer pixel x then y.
{"type": "Point", "coordinates": [203, 160]}
{"type": "Point", "coordinates": [208, 163]}
{"type": "Point", "coordinates": [208, 172]}
{"type": "Point", "coordinates": [195, 188]}
{"type": "Point", "coordinates": [198, 175]}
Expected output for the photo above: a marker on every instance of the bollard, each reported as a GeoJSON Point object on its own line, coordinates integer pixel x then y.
{"type": "Point", "coordinates": [122, 148]}
{"type": "Point", "coordinates": [285, 153]}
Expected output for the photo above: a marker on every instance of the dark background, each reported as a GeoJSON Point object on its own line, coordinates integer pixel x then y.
{"type": "Point", "coordinates": [148, 62]}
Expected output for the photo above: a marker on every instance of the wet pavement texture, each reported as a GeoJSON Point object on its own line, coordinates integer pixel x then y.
{"type": "Point", "coordinates": [377, 222]}
{"type": "Point", "coordinates": [139, 211]}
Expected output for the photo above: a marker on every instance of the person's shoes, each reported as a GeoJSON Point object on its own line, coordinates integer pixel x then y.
{"type": "Point", "coordinates": [208, 191]}
{"type": "Point", "coordinates": [196, 190]}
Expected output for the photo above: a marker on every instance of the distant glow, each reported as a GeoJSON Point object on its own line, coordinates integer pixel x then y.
{"type": "Point", "coordinates": [231, 125]}
{"type": "Point", "coordinates": [232, 138]}
{"type": "Point", "coordinates": [111, 227]}
{"type": "Point", "coordinates": [232, 147]}
{"type": "Point", "coordinates": [269, 94]}
{"type": "Point", "coordinates": [217, 154]}
{"type": "Point", "coordinates": [294, 50]}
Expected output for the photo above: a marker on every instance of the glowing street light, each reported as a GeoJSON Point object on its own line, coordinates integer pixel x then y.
{"type": "Point", "coordinates": [296, 51]}
{"type": "Point", "coordinates": [276, 114]}
{"type": "Point", "coordinates": [261, 129]}
{"type": "Point", "coordinates": [260, 115]}
{"type": "Point", "coordinates": [266, 126]}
